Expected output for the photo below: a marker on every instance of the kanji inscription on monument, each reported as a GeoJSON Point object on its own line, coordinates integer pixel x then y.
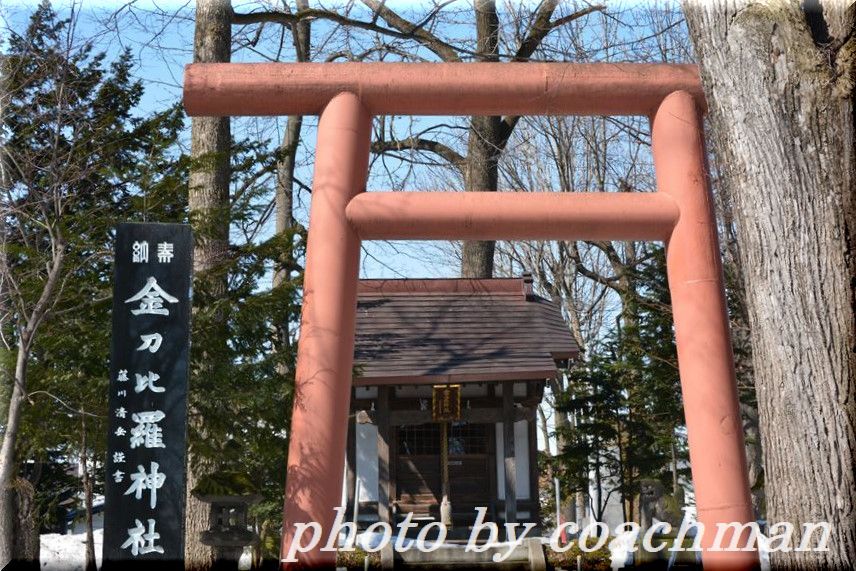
{"type": "Point", "coordinates": [145, 488]}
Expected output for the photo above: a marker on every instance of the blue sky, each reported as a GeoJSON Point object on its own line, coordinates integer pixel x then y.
{"type": "Point", "coordinates": [162, 46]}
{"type": "Point", "coordinates": [161, 59]}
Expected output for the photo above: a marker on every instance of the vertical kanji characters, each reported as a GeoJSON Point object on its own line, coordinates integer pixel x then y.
{"type": "Point", "coordinates": [152, 342]}
{"type": "Point", "coordinates": [147, 381]}
{"type": "Point", "coordinates": [140, 252]}
{"type": "Point", "coordinates": [141, 542]}
{"type": "Point", "coordinates": [141, 481]}
{"type": "Point", "coordinates": [147, 433]}
{"type": "Point", "coordinates": [165, 252]}
{"type": "Point", "coordinates": [151, 298]}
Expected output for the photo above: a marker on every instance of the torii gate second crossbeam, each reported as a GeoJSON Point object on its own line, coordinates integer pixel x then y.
{"type": "Point", "coordinates": [680, 213]}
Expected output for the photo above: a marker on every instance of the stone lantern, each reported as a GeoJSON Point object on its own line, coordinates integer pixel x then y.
{"type": "Point", "coordinates": [230, 496]}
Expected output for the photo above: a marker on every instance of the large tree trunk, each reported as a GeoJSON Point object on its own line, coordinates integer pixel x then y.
{"type": "Point", "coordinates": [286, 163]}
{"type": "Point", "coordinates": [8, 464]}
{"type": "Point", "coordinates": [22, 521]}
{"type": "Point", "coordinates": [87, 498]}
{"type": "Point", "coordinates": [779, 84]}
{"type": "Point", "coordinates": [208, 200]}
{"type": "Point", "coordinates": [7, 370]}
{"type": "Point", "coordinates": [739, 321]}
{"type": "Point", "coordinates": [483, 147]}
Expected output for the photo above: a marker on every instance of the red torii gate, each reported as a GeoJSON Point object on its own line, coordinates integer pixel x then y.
{"type": "Point", "coordinates": [347, 95]}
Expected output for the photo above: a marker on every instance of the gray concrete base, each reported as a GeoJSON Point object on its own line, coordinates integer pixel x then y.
{"type": "Point", "coordinates": [527, 556]}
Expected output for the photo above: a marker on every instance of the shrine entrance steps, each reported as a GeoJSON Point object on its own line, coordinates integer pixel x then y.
{"type": "Point", "coordinates": [529, 556]}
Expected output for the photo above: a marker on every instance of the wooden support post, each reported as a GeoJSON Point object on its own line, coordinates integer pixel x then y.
{"type": "Point", "coordinates": [508, 452]}
{"type": "Point", "coordinates": [493, 484]}
{"type": "Point", "coordinates": [384, 500]}
{"type": "Point", "coordinates": [445, 504]}
{"type": "Point", "coordinates": [391, 489]}
{"type": "Point", "coordinates": [535, 512]}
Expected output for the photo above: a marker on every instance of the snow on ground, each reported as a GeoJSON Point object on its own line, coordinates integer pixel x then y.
{"type": "Point", "coordinates": [620, 549]}
{"type": "Point", "coordinates": [68, 552]}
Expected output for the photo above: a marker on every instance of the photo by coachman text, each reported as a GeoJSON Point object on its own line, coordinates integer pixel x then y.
{"type": "Point", "coordinates": [485, 535]}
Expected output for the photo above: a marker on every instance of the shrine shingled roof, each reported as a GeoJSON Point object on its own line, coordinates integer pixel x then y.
{"type": "Point", "coordinates": [457, 330]}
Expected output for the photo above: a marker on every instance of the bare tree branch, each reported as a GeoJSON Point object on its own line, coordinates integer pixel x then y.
{"type": "Point", "coordinates": [537, 32]}
{"type": "Point", "coordinates": [417, 32]}
{"type": "Point", "coordinates": [454, 158]}
{"type": "Point", "coordinates": [543, 26]}
{"type": "Point", "coordinates": [402, 28]}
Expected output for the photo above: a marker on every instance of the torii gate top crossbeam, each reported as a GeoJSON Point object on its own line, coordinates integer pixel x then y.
{"type": "Point", "coordinates": [233, 89]}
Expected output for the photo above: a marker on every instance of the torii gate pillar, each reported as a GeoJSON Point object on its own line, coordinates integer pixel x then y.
{"type": "Point", "coordinates": [702, 333]}
{"type": "Point", "coordinates": [326, 347]}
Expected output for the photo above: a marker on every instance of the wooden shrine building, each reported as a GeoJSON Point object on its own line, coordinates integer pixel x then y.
{"type": "Point", "coordinates": [448, 377]}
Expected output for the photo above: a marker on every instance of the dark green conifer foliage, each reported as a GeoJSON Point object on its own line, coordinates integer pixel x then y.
{"type": "Point", "coordinates": [625, 400]}
{"type": "Point", "coordinates": [76, 157]}
{"type": "Point", "coordinates": [80, 159]}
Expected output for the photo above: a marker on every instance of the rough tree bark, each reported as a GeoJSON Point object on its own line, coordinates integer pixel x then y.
{"type": "Point", "coordinates": [90, 564]}
{"type": "Point", "coordinates": [208, 200]}
{"type": "Point", "coordinates": [286, 163]}
{"type": "Point", "coordinates": [739, 322]}
{"type": "Point", "coordinates": [7, 371]}
{"type": "Point", "coordinates": [22, 518]}
{"type": "Point", "coordinates": [779, 83]}
{"type": "Point", "coordinates": [484, 145]}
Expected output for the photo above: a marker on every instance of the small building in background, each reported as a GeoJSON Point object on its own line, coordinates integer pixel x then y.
{"type": "Point", "coordinates": [448, 377]}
